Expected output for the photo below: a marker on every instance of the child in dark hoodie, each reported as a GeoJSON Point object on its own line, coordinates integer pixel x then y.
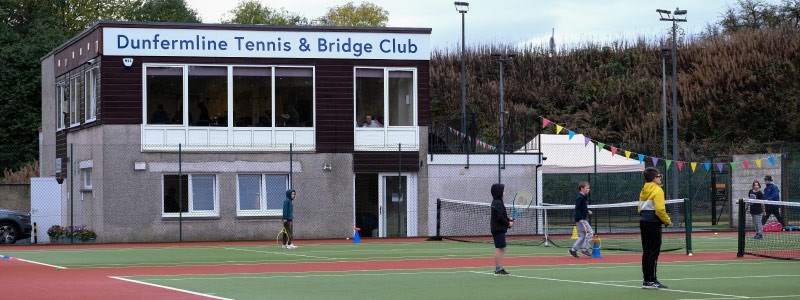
{"type": "Point", "coordinates": [288, 210]}
{"type": "Point", "coordinates": [500, 223]}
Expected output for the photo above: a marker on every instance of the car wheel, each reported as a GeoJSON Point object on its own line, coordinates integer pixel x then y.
{"type": "Point", "coordinates": [8, 233]}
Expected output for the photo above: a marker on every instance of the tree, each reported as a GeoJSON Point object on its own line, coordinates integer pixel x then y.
{"type": "Point", "coordinates": [163, 11]}
{"type": "Point", "coordinates": [253, 12]}
{"type": "Point", "coordinates": [365, 15]}
{"type": "Point", "coordinates": [28, 31]}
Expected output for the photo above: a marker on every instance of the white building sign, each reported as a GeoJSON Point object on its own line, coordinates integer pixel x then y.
{"type": "Point", "coordinates": [265, 44]}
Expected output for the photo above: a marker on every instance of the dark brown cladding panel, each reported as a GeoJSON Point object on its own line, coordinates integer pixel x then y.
{"type": "Point", "coordinates": [373, 162]}
{"type": "Point", "coordinates": [77, 53]}
{"type": "Point", "coordinates": [122, 92]}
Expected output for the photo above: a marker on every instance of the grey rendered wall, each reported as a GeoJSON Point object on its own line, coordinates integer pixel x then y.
{"type": "Point", "coordinates": [47, 149]}
{"type": "Point", "coordinates": [743, 179]}
{"type": "Point", "coordinates": [132, 200]}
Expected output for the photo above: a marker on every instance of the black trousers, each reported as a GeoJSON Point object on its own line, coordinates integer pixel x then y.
{"type": "Point", "coordinates": [651, 248]}
{"type": "Point", "coordinates": [771, 210]}
{"type": "Point", "coordinates": [288, 238]}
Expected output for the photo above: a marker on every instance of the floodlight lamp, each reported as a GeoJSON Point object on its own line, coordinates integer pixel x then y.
{"type": "Point", "coordinates": [462, 7]}
{"type": "Point", "coordinates": [663, 11]}
{"type": "Point", "coordinates": [680, 12]}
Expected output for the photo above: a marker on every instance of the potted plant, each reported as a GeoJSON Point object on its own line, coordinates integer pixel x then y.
{"type": "Point", "coordinates": [84, 234]}
{"type": "Point", "coordinates": [55, 233]}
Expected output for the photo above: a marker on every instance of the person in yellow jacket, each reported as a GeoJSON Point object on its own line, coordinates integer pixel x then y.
{"type": "Point", "coordinates": [652, 213]}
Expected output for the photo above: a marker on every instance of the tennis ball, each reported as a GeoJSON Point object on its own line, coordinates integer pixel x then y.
{"type": "Point", "coordinates": [690, 254]}
{"type": "Point", "coordinates": [347, 238]}
{"type": "Point", "coordinates": [716, 233]}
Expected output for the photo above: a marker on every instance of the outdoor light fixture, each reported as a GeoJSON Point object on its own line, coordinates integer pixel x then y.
{"type": "Point", "coordinates": [326, 167]}
{"type": "Point", "coordinates": [671, 17]}
{"type": "Point", "coordinates": [462, 7]}
{"type": "Point", "coordinates": [502, 59]}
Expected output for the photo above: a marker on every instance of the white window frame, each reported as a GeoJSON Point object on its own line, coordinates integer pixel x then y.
{"type": "Point", "coordinates": [74, 101]}
{"type": "Point", "coordinates": [86, 178]}
{"type": "Point", "coordinates": [387, 137]}
{"type": "Point", "coordinates": [262, 194]}
{"type": "Point", "coordinates": [59, 109]}
{"type": "Point", "coordinates": [190, 210]}
{"type": "Point", "coordinates": [90, 95]}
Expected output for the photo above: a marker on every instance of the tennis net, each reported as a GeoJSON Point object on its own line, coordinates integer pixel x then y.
{"type": "Point", "coordinates": [780, 238]}
{"type": "Point", "coordinates": [617, 225]}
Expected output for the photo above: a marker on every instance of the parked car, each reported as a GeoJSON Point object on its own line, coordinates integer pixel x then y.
{"type": "Point", "coordinates": [14, 226]}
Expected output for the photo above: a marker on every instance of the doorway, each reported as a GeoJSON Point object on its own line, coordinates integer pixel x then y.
{"type": "Point", "coordinates": [386, 204]}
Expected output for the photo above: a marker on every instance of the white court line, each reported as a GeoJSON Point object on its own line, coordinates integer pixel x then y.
{"type": "Point", "coordinates": [712, 278]}
{"type": "Point", "coordinates": [41, 263]}
{"type": "Point", "coordinates": [170, 288]}
{"type": "Point", "coordinates": [754, 297]}
{"type": "Point", "coordinates": [344, 274]}
{"type": "Point", "coordinates": [283, 253]}
{"type": "Point", "coordinates": [616, 285]}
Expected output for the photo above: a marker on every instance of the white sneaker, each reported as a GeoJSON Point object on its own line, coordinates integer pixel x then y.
{"type": "Point", "coordinates": [283, 246]}
{"type": "Point", "coordinates": [291, 246]}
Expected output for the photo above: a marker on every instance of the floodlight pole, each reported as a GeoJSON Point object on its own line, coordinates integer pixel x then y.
{"type": "Point", "coordinates": [671, 17]}
{"type": "Point", "coordinates": [462, 8]}
{"type": "Point", "coordinates": [502, 59]}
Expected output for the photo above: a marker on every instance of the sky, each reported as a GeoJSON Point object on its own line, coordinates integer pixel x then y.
{"type": "Point", "coordinates": [513, 22]}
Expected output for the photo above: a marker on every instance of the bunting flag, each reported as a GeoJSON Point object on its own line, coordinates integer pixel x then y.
{"type": "Point", "coordinates": [641, 157]}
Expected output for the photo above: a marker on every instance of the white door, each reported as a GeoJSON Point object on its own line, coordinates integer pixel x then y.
{"type": "Point", "coordinates": [397, 204]}
{"type": "Point", "coordinates": [45, 205]}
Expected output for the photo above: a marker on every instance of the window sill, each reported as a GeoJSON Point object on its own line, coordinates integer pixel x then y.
{"type": "Point", "coordinates": [86, 190]}
{"type": "Point", "coordinates": [185, 216]}
{"type": "Point", "coordinates": [74, 125]}
{"type": "Point", "coordinates": [90, 120]}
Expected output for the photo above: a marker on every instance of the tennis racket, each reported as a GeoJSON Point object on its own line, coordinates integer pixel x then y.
{"type": "Point", "coordinates": [522, 201]}
{"type": "Point", "coordinates": [282, 236]}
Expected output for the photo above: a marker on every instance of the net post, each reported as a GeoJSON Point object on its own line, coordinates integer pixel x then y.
{"type": "Point", "coordinates": [438, 236]}
{"type": "Point", "coordinates": [687, 212]}
{"type": "Point", "coordinates": [740, 243]}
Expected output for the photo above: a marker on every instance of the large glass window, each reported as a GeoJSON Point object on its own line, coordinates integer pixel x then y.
{"type": "Point", "coordinates": [261, 194]}
{"type": "Point", "coordinates": [191, 194]}
{"type": "Point", "coordinates": [74, 100]}
{"type": "Point", "coordinates": [61, 104]}
{"type": "Point", "coordinates": [369, 97]}
{"type": "Point", "coordinates": [252, 97]}
{"type": "Point", "coordinates": [90, 94]}
{"type": "Point", "coordinates": [401, 98]}
{"type": "Point", "coordinates": [294, 97]}
{"type": "Point", "coordinates": [164, 95]}
{"type": "Point", "coordinates": [208, 96]}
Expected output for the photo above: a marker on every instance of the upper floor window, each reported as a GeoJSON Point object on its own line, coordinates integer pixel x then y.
{"type": "Point", "coordinates": [164, 92]}
{"type": "Point", "coordinates": [208, 96]}
{"type": "Point", "coordinates": [294, 97]}
{"type": "Point", "coordinates": [90, 94]}
{"type": "Point", "coordinates": [252, 97]}
{"type": "Point", "coordinates": [61, 106]}
{"type": "Point", "coordinates": [385, 97]}
{"type": "Point", "coordinates": [74, 100]}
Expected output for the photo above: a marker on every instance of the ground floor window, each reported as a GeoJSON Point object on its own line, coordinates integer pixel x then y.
{"type": "Point", "coordinates": [261, 194]}
{"type": "Point", "coordinates": [192, 194]}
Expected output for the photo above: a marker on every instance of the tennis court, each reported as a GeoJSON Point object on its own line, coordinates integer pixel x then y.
{"type": "Point", "coordinates": [411, 269]}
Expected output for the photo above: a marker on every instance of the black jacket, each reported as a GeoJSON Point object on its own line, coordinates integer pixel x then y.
{"type": "Point", "coordinates": [755, 208]}
{"type": "Point", "coordinates": [581, 207]}
{"type": "Point", "coordinates": [500, 220]}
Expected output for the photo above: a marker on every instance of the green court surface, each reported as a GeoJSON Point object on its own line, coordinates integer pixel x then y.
{"type": "Point", "coordinates": [727, 278]}
{"type": "Point", "coordinates": [187, 255]}
{"type": "Point", "coordinates": [762, 279]}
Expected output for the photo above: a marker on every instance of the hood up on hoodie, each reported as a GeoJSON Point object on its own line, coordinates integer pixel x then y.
{"type": "Point", "coordinates": [497, 190]}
